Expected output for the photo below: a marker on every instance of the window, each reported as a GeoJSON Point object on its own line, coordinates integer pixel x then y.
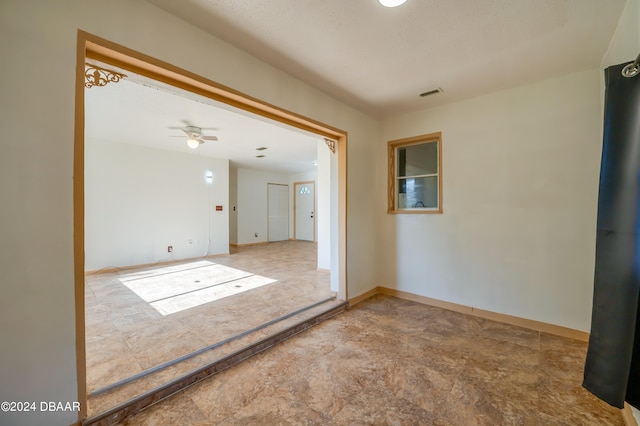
{"type": "Point", "coordinates": [415, 174]}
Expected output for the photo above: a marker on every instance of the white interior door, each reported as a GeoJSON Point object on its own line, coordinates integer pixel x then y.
{"type": "Point", "coordinates": [278, 212]}
{"type": "Point", "coordinates": [305, 210]}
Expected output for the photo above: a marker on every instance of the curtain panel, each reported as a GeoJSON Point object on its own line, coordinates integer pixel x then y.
{"type": "Point", "coordinates": [612, 367]}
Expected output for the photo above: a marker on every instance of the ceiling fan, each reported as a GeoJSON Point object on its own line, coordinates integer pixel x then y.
{"type": "Point", "coordinates": [194, 135]}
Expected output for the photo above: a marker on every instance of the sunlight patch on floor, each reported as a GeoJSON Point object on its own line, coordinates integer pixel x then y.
{"type": "Point", "coordinates": [180, 287]}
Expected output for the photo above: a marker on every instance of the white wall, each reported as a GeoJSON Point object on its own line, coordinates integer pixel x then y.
{"type": "Point", "coordinates": [38, 42]}
{"type": "Point", "coordinates": [233, 205]}
{"type": "Point", "coordinates": [252, 203]}
{"type": "Point", "coordinates": [139, 201]}
{"type": "Point", "coordinates": [520, 190]}
{"type": "Point", "coordinates": [323, 194]}
{"type": "Point", "coordinates": [322, 179]}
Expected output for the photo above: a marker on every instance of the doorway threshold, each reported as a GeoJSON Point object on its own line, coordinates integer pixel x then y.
{"type": "Point", "coordinates": [143, 390]}
{"type": "Point", "coordinates": [193, 354]}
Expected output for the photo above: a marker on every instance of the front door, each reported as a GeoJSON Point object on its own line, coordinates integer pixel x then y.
{"type": "Point", "coordinates": [305, 210]}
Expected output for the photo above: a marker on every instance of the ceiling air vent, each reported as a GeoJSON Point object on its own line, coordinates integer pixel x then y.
{"type": "Point", "coordinates": [430, 92]}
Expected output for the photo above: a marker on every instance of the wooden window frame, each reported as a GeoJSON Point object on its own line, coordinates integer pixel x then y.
{"type": "Point", "coordinates": [392, 182]}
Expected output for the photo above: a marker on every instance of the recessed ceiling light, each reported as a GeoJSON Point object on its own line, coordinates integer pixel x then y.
{"type": "Point", "coordinates": [315, 162]}
{"type": "Point", "coordinates": [260, 156]}
{"type": "Point", "coordinates": [262, 148]}
{"type": "Point", "coordinates": [391, 3]}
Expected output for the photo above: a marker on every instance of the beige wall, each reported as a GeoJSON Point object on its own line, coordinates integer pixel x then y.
{"type": "Point", "coordinates": [520, 189]}
{"type": "Point", "coordinates": [521, 170]}
{"type": "Point", "coordinates": [38, 48]}
{"type": "Point", "coordinates": [625, 43]}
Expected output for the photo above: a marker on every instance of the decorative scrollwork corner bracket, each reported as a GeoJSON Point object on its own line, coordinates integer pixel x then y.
{"type": "Point", "coordinates": [331, 144]}
{"type": "Point", "coordinates": [96, 76]}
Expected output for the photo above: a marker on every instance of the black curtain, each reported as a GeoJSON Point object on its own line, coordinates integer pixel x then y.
{"type": "Point", "coordinates": [612, 367]}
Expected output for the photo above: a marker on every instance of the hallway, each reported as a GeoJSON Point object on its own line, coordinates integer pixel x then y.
{"type": "Point", "coordinates": [137, 319]}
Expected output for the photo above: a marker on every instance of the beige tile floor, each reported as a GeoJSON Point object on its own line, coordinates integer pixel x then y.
{"type": "Point", "coordinates": [394, 362]}
{"type": "Point", "coordinates": [127, 332]}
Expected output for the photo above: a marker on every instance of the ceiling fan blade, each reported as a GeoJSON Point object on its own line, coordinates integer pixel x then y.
{"type": "Point", "coordinates": [190, 125]}
{"type": "Point", "coordinates": [209, 138]}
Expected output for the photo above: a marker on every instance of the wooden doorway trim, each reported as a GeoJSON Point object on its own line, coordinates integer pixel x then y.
{"type": "Point", "coordinates": [93, 47]}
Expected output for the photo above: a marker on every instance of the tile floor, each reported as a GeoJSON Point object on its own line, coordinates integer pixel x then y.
{"type": "Point", "coordinates": [134, 319]}
{"type": "Point", "coordinates": [394, 362]}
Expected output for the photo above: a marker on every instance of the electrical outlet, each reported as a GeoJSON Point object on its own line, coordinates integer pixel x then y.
{"type": "Point", "coordinates": [190, 242]}
{"type": "Point", "coordinates": [170, 249]}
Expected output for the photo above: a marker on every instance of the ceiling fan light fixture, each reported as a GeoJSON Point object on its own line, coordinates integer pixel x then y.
{"type": "Point", "coordinates": [391, 3]}
{"type": "Point", "coordinates": [193, 143]}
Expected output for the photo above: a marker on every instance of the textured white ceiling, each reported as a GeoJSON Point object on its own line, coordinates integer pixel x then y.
{"type": "Point", "coordinates": [379, 59]}
{"type": "Point", "coordinates": [141, 112]}
{"type": "Point", "coordinates": [371, 57]}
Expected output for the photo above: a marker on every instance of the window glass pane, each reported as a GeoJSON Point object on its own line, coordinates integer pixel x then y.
{"type": "Point", "coordinates": [419, 159]}
{"type": "Point", "coordinates": [418, 192]}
